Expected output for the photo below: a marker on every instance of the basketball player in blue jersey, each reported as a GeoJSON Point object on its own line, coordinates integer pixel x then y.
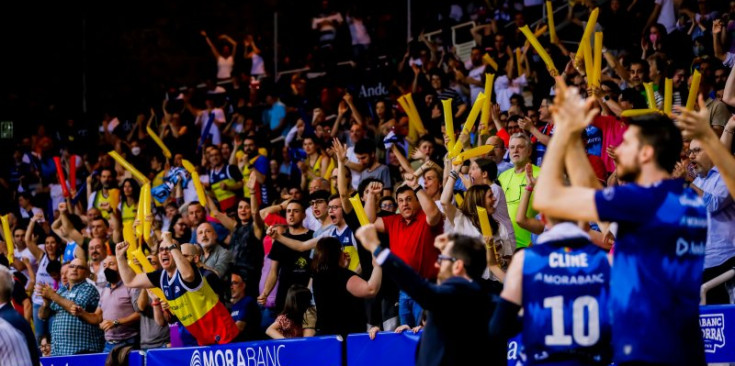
{"type": "Point", "coordinates": [662, 229]}
{"type": "Point", "coordinates": [562, 285]}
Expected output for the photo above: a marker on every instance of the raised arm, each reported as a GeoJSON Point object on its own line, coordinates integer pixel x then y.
{"type": "Point", "coordinates": [344, 194]}
{"type": "Point", "coordinates": [728, 95]}
{"type": "Point", "coordinates": [433, 215]}
{"type": "Point", "coordinates": [552, 196]}
{"type": "Point", "coordinates": [529, 223]}
{"type": "Point", "coordinates": [212, 47]}
{"type": "Point", "coordinates": [355, 112]}
{"type": "Point", "coordinates": [405, 164]}
{"type": "Point", "coordinates": [71, 233]}
{"type": "Point", "coordinates": [299, 246]}
{"type": "Point", "coordinates": [31, 239]}
{"type": "Point", "coordinates": [230, 41]}
{"type": "Point", "coordinates": [258, 224]}
{"type": "Point", "coordinates": [129, 278]}
{"type": "Point", "coordinates": [695, 125]}
{"type": "Point", "coordinates": [448, 192]}
{"type": "Point", "coordinates": [225, 220]}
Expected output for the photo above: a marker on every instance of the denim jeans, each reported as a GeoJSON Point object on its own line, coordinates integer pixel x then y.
{"type": "Point", "coordinates": [409, 311]}
{"type": "Point", "coordinates": [40, 326]}
{"type": "Point", "coordinates": [109, 346]}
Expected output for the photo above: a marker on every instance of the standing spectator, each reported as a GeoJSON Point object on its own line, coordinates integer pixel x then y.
{"type": "Point", "coordinates": [357, 133]}
{"type": "Point", "coordinates": [338, 291]}
{"type": "Point", "coordinates": [246, 241]}
{"type": "Point", "coordinates": [152, 335]}
{"type": "Point", "coordinates": [26, 208]}
{"type": "Point", "coordinates": [245, 310]}
{"type": "Point", "coordinates": [411, 233]}
{"type": "Point", "coordinates": [274, 115]}
{"type": "Point", "coordinates": [108, 192]}
{"type": "Point", "coordinates": [73, 329]}
{"type": "Point", "coordinates": [498, 154]}
{"type": "Point", "coordinates": [225, 57]}
{"type": "Point", "coordinates": [195, 216]}
{"type": "Point", "coordinates": [289, 267]}
{"type": "Point", "coordinates": [662, 230]}
{"type": "Point", "coordinates": [372, 168]}
{"type": "Point", "coordinates": [214, 257]}
{"type": "Point", "coordinates": [117, 314]}
{"type": "Point", "coordinates": [257, 165]}
{"type": "Point", "coordinates": [719, 255]}
{"type": "Point", "coordinates": [514, 181]}
{"type": "Point", "coordinates": [209, 120]}
{"type": "Point", "coordinates": [458, 309]}
{"type": "Point", "coordinates": [97, 269]}
{"type": "Point", "coordinates": [190, 297]}
{"type": "Point", "coordinates": [10, 317]}
{"type": "Point", "coordinates": [45, 256]}
{"type": "Point", "coordinates": [225, 180]}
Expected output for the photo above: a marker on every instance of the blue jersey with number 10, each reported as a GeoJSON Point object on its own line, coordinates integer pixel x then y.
{"type": "Point", "coordinates": [565, 292]}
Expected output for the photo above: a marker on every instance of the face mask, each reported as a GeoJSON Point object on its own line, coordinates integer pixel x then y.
{"type": "Point", "coordinates": [111, 275]}
{"type": "Point", "coordinates": [135, 150]}
{"type": "Point", "coordinates": [653, 38]}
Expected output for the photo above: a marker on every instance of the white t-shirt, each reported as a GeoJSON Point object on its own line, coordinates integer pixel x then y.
{"type": "Point", "coordinates": [476, 73]}
{"type": "Point", "coordinates": [219, 119]}
{"type": "Point", "coordinates": [224, 67]}
{"type": "Point", "coordinates": [352, 158]}
{"type": "Point", "coordinates": [26, 253]}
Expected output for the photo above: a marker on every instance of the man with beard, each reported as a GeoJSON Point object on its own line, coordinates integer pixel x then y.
{"type": "Point", "coordinates": [288, 266]}
{"type": "Point", "coordinates": [108, 193]}
{"type": "Point", "coordinates": [96, 266]}
{"type": "Point", "coordinates": [514, 182]}
{"type": "Point", "coordinates": [117, 314]}
{"type": "Point", "coordinates": [188, 294]}
{"type": "Point", "coordinates": [719, 254]}
{"type": "Point", "coordinates": [458, 308]}
{"type": "Point", "coordinates": [214, 256]}
{"type": "Point", "coordinates": [660, 243]}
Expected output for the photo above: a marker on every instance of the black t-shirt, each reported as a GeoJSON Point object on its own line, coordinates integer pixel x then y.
{"type": "Point", "coordinates": [248, 255]}
{"type": "Point", "coordinates": [366, 258]}
{"type": "Point", "coordinates": [293, 266]}
{"type": "Point", "coordinates": [337, 310]}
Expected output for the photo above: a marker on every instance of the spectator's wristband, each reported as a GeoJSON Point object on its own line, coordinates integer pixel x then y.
{"type": "Point", "coordinates": [417, 189]}
{"type": "Point", "coordinates": [156, 303]}
{"type": "Point", "coordinates": [454, 175]}
{"type": "Point", "coordinates": [732, 132]}
{"type": "Point", "coordinates": [529, 188]}
{"type": "Point", "coordinates": [377, 251]}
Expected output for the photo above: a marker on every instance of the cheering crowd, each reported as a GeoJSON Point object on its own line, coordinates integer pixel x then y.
{"type": "Point", "coordinates": [267, 209]}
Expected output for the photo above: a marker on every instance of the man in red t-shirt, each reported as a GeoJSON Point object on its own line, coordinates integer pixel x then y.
{"type": "Point", "coordinates": [411, 234]}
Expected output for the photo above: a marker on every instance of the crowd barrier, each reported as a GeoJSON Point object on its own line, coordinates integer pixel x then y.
{"type": "Point", "coordinates": [388, 349]}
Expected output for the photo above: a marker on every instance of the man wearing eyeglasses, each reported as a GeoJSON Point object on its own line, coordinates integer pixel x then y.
{"type": "Point", "coordinates": [188, 293]}
{"type": "Point", "coordinates": [719, 252]}
{"type": "Point", "coordinates": [74, 329]}
{"type": "Point", "coordinates": [458, 308]}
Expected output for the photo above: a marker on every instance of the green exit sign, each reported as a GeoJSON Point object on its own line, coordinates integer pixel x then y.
{"type": "Point", "coordinates": [6, 129]}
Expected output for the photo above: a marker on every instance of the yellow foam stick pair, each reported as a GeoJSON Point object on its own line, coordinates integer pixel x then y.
{"type": "Point", "coordinates": [157, 140]}
{"type": "Point", "coordinates": [469, 123]}
{"type": "Point", "coordinates": [8, 236]}
{"type": "Point", "coordinates": [550, 20]}
{"type": "Point", "coordinates": [591, 22]}
{"type": "Point", "coordinates": [540, 50]}
{"type": "Point", "coordinates": [359, 210]}
{"type": "Point", "coordinates": [490, 61]}
{"type": "Point", "coordinates": [448, 121]}
{"type": "Point", "coordinates": [472, 153]}
{"type": "Point", "coordinates": [195, 179]}
{"type": "Point", "coordinates": [135, 172]}
{"type": "Point", "coordinates": [485, 115]}
{"type": "Point", "coordinates": [693, 90]}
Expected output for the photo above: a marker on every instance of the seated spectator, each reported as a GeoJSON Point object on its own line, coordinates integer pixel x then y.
{"type": "Point", "coordinates": [245, 311]}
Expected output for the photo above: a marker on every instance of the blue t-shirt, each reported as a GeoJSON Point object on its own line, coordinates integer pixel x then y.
{"type": "Point", "coordinates": [246, 310]}
{"type": "Point", "coordinates": [592, 140]}
{"type": "Point", "coordinates": [657, 271]}
{"type": "Point", "coordinates": [565, 298]}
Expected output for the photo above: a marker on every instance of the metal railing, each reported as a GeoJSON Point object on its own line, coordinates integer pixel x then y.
{"type": "Point", "coordinates": [719, 280]}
